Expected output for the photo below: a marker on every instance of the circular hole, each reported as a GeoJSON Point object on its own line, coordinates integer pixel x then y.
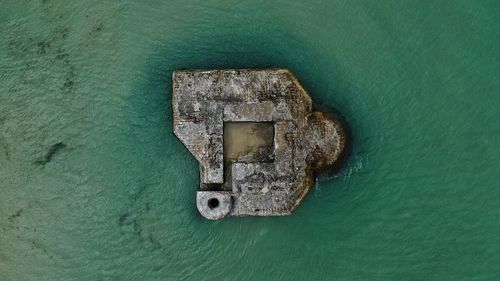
{"type": "Point", "coordinates": [213, 203]}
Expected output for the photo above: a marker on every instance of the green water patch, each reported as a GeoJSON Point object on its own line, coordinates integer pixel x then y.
{"type": "Point", "coordinates": [94, 186]}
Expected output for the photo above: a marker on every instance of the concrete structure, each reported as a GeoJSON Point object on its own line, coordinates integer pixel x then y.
{"type": "Point", "coordinates": [256, 138]}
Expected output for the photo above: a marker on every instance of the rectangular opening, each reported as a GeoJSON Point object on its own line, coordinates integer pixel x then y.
{"type": "Point", "coordinates": [248, 142]}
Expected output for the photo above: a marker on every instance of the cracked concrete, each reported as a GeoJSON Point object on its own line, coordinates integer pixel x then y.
{"type": "Point", "coordinates": [272, 178]}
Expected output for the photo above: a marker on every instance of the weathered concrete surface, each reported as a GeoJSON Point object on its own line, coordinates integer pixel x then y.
{"type": "Point", "coordinates": [304, 141]}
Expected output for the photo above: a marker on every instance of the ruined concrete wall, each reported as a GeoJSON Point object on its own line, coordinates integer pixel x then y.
{"type": "Point", "coordinates": [303, 141]}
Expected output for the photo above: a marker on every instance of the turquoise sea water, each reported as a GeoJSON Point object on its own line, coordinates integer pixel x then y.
{"type": "Point", "coordinates": [94, 186]}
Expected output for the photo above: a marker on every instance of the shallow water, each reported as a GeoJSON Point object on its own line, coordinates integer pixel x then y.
{"type": "Point", "coordinates": [94, 186]}
{"type": "Point", "coordinates": [251, 141]}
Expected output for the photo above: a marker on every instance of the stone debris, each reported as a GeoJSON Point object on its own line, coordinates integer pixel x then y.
{"type": "Point", "coordinates": [256, 137]}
